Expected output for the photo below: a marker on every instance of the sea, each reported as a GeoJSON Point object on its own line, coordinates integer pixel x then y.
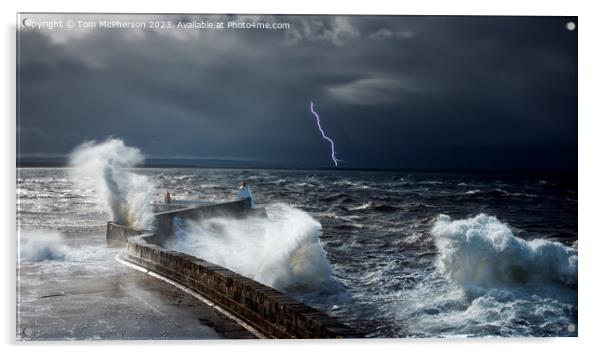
{"type": "Point", "coordinates": [391, 253]}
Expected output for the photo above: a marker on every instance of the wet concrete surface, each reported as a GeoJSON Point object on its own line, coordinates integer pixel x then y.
{"type": "Point", "coordinates": [88, 295]}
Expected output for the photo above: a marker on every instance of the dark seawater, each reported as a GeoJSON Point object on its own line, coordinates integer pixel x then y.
{"type": "Point", "coordinates": [391, 276]}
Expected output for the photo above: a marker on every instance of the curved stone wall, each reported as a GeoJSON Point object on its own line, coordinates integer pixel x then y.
{"type": "Point", "coordinates": [271, 312]}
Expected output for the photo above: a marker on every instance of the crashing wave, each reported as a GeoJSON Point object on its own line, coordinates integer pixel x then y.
{"type": "Point", "coordinates": [483, 252]}
{"type": "Point", "coordinates": [104, 168]}
{"type": "Point", "coordinates": [41, 246]}
{"type": "Point", "coordinates": [283, 251]}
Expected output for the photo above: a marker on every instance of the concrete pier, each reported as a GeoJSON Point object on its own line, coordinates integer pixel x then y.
{"type": "Point", "coordinates": [91, 296]}
{"type": "Point", "coordinates": [266, 310]}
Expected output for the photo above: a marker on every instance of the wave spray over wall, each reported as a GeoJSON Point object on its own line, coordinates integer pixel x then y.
{"type": "Point", "coordinates": [105, 168]}
{"type": "Point", "coordinates": [283, 251]}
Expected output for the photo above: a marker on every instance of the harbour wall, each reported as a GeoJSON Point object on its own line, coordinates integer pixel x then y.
{"type": "Point", "coordinates": [117, 235]}
{"type": "Point", "coordinates": [269, 311]}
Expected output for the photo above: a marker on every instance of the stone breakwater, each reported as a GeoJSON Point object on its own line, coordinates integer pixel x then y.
{"type": "Point", "coordinates": [267, 310]}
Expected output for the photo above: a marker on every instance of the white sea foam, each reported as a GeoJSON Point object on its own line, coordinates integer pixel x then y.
{"type": "Point", "coordinates": [473, 191]}
{"type": "Point", "coordinates": [104, 167]}
{"type": "Point", "coordinates": [482, 252]}
{"type": "Point", "coordinates": [41, 246]}
{"type": "Point", "coordinates": [489, 283]}
{"type": "Point", "coordinates": [363, 206]}
{"type": "Point", "coordinates": [283, 251]}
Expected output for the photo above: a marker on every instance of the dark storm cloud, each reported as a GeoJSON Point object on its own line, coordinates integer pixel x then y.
{"type": "Point", "coordinates": [394, 92]}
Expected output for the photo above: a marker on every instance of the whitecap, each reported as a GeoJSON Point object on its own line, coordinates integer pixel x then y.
{"type": "Point", "coordinates": [482, 251]}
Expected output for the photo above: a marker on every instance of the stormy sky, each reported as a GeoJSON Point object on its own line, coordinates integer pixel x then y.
{"type": "Point", "coordinates": [434, 93]}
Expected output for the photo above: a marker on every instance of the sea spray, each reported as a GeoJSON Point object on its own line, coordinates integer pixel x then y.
{"type": "Point", "coordinates": [283, 251]}
{"type": "Point", "coordinates": [104, 167]}
{"type": "Point", "coordinates": [485, 281]}
{"type": "Point", "coordinates": [41, 246]}
{"type": "Point", "coordinates": [483, 252]}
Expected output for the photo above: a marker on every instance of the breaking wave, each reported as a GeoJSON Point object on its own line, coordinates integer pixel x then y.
{"type": "Point", "coordinates": [483, 252]}
{"type": "Point", "coordinates": [41, 246]}
{"type": "Point", "coordinates": [104, 168]}
{"type": "Point", "coordinates": [282, 251]}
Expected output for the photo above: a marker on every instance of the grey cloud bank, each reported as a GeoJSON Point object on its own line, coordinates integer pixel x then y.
{"type": "Point", "coordinates": [440, 93]}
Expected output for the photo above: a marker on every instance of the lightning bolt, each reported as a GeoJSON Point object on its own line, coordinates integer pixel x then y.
{"type": "Point", "coordinates": [333, 154]}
